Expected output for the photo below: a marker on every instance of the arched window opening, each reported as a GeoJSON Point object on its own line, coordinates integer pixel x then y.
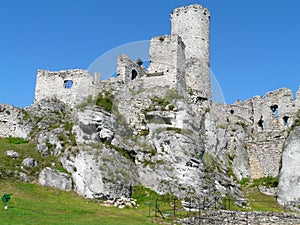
{"type": "Point", "coordinates": [68, 84]}
{"type": "Point", "coordinates": [133, 74]}
{"type": "Point", "coordinates": [274, 109]}
{"type": "Point", "coordinates": [231, 111]}
{"type": "Point", "coordinates": [286, 120]}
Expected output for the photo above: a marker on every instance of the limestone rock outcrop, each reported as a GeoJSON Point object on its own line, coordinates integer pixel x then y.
{"type": "Point", "coordinates": [55, 178]}
{"type": "Point", "coordinates": [29, 162]}
{"type": "Point", "coordinates": [289, 185]}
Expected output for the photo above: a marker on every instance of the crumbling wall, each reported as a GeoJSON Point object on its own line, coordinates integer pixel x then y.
{"type": "Point", "coordinates": [167, 57]}
{"type": "Point", "coordinates": [128, 70]}
{"type": "Point", "coordinates": [69, 86]}
{"type": "Point", "coordinates": [266, 121]}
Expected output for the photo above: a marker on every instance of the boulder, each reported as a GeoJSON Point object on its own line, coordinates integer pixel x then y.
{"type": "Point", "coordinates": [29, 162]}
{"type": "Point", "coordinates": [289, 178]}
{"type": "Point", "coordinates": [12, 154]}
{"type": "Point", "coordinates": [106, 134]}
{"type": "Point", "coordinates": [22, 176]}
{"type": "Point", "coordinates": [54, 178]}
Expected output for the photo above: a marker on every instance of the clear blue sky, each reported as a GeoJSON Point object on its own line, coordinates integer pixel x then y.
{"type": "Point", "coordinates": [255, 44]}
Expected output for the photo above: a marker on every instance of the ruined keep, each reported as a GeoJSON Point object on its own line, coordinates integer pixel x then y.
{"type": "Point", "coordinates": [179, 60]}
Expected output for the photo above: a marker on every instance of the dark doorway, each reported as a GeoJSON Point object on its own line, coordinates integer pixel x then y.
{"type": "Point", "coordinates": [133, 74]}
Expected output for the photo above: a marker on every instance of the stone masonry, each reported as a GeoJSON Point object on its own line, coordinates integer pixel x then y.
{"type": "Point", "coordinates": [266, 120]}
{"type": "Point", "coordinates": [223, 217]}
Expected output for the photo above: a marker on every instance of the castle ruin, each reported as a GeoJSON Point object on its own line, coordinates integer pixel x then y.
{"type": "Point", "coordinates": [179, 60]}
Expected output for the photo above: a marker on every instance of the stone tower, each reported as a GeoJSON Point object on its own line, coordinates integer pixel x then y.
{"type": "Point", "coordinates": [192, 24]}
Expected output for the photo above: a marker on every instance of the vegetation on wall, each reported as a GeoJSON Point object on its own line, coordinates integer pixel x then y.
{"type": "Point", "coordinates": [104, 100]}
{"type": "Point", "coordinates": [296, 121]}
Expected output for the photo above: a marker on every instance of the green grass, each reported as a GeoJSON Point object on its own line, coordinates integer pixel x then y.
{"type": "Point", "coordinates": [33, 204]}
{"type": "Point", "coordinates": [25, 150]}
{"type": "Point", "coordinates": [266, 181]}
{"type": "Point", "coordinates": [261, 202]}
{"type": "Point", "coordinates": [256, 201]}
{"type": "Point", "coordinates": [15, 140]}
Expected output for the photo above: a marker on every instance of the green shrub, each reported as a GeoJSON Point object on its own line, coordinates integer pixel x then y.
{"type": "Point", "coordinates": [16, 140]}
{"type": "Point", "coordinates": [88, 101]}
{"type": "Point", "coordinates": [266, 181]}
{"type": "Point", "coordinates": [244, 182]}
{"type": "Point", "coordinates": [104, 100]}
{"type": "Point", "coordinates": [144, 132]}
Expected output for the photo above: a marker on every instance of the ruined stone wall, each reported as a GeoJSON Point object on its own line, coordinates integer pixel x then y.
{"type": "Point", "coordinates": [128, 70]}
{"type": "Point", "coordinates": [69, 86]}
{"type": "Point", "coordinates": [192, 23]}
{"type": "Point", "coordinates": [273, 114]}
{"type": "Point", "coordinates": [167, 57]}
{"type": "Point", "coordinates": [266, 121]}
{"type": "Point", "coordinates": [223, 217]}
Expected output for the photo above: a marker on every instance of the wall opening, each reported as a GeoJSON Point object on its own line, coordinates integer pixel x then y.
{"type": "Point", "coordinates": [286, 120]}
{"type": "Point", "coordinates": [133, 74]}
{"type": "Point", "coordinates": [68, 84]}
{"type": "Point", "coordinates": [274, 109]}
{"type": "Point", "coordinates": [231, 111]}
{"type": "Point", "coordinates": [261, 123]}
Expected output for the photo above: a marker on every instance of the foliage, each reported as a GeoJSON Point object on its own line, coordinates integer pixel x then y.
{"type": "Point", "coordinates": [177, 130]}
{"type": "Point", "coordinates": [296, 122]}
{"type": "Point", "coordinates": [161, 129]}
{"type": "Point", "coordinates": [105, 101]}
{"type": "Point", "coordinates": [16, 140]}
{"type": "Point", "coordinates": [266, 181]}
{"type": "Point", "coordinates": [244, 182]}
{"type": "Point", "coordinates": [26, 115]}
{"type": "Point", "coordinates": [144, 132]}
{"type": "Point", "coordinates": [161, 38]}
{"type": "Point", "coordinates": [172, 94]}
{"type": "Point", "coordinates": [242, 124]}
{"type": "Point", "coordinates": [122, 151]}
{"type": "Point", "coordinates": [139, 61]}
{"type": "Point", "coordinates": [161, 102]}
{"type": "Point", "coordinates": [209, 162]}
{"type": "Point", "coordinates": [88, 101]}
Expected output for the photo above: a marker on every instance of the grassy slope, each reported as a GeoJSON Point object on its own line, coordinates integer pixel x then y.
{"type": "Point", "coordinates": [25, 150]}
{"type": "Point", "coordinates": [33, 204]}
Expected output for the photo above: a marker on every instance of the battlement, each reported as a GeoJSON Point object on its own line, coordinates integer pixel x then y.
{"type": "Point", "coordinates": [191, 8]}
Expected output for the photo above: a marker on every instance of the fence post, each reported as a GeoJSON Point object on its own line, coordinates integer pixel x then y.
{"type": "Point", "coordinates": [215, 202]}
{"type": "Point", "coordinates": [174, 207]}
